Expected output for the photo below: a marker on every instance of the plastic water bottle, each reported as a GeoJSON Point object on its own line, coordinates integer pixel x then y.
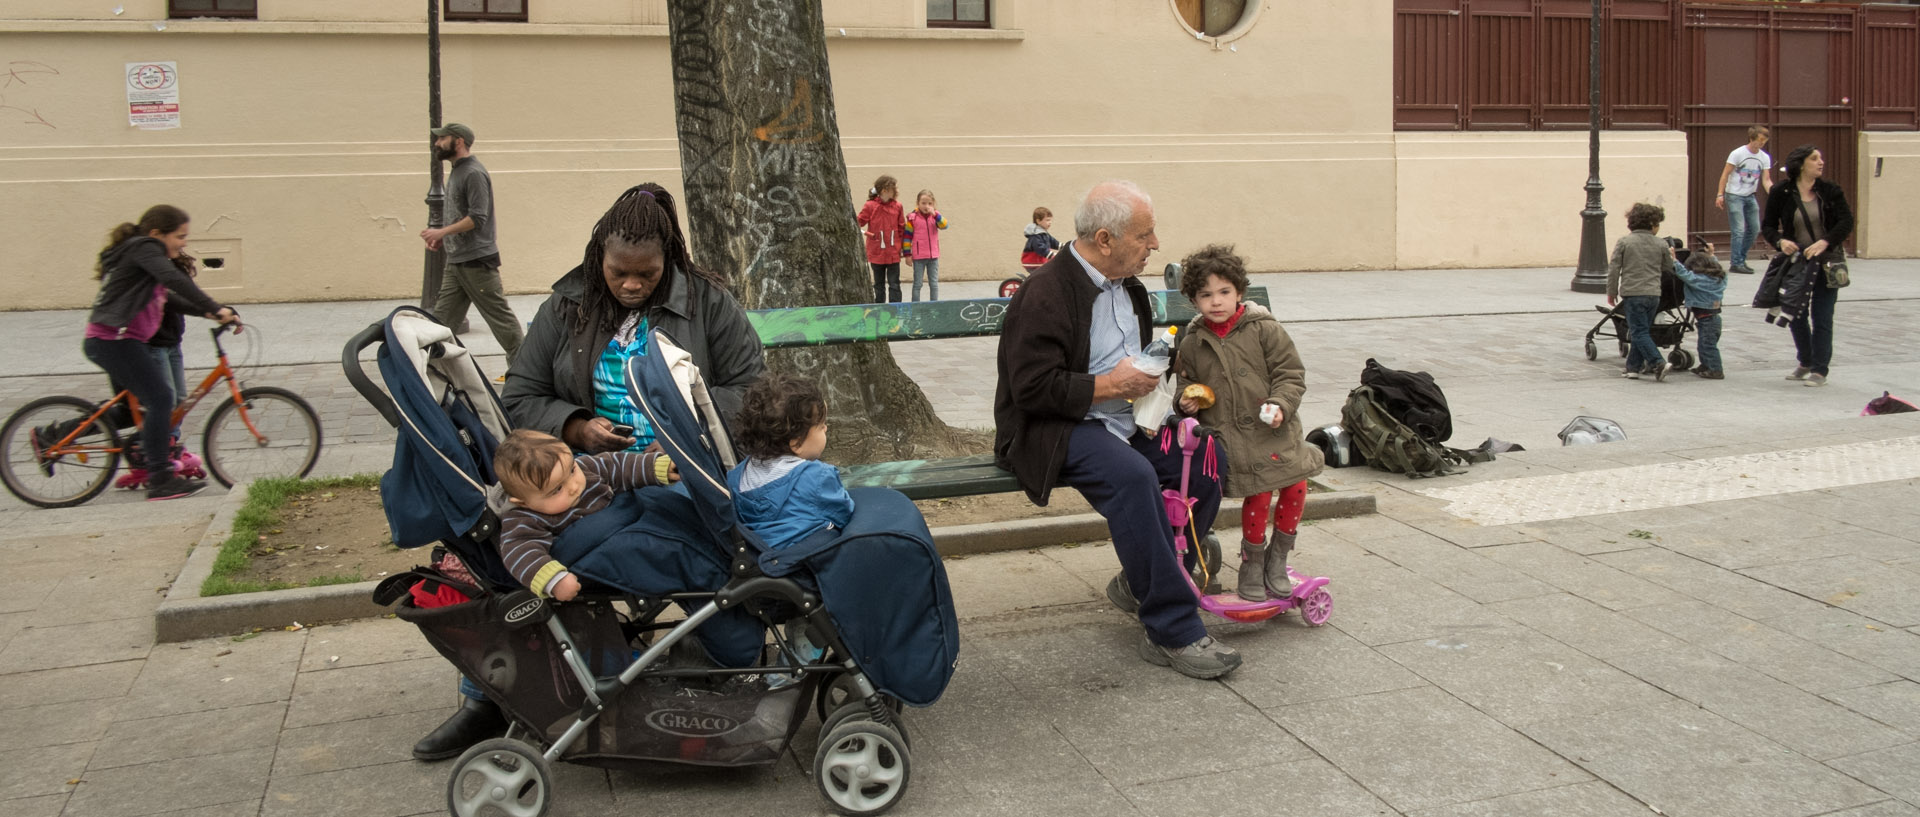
{"type": "Point", "coordinates": [1158, 355]}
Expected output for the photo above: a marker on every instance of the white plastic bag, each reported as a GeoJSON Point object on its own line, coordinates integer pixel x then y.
{"type": "Point", "coordinates": [1150, 412]}
{"type": "Point", "coordinates": [1586, 430]}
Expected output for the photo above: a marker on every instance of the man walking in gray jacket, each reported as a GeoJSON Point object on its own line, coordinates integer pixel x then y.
{"type": "Point", "coordinates": [473, 262]}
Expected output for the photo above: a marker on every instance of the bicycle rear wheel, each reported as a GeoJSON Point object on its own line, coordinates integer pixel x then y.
{"type": "Point", "coordinates": [269, 433]}
{"type": "Point", "coordinates": [66, 480]}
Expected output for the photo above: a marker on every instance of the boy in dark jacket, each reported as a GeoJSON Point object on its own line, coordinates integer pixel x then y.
{"type": "Point", "coordinates": [1041, 245]}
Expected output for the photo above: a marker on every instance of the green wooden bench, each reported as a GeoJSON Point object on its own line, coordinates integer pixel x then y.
{"type": "Point", "coordinates": [927, 320]}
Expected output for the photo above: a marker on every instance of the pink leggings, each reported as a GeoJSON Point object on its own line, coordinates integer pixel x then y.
{"type": "Point", "coordinates": [1286, 520]}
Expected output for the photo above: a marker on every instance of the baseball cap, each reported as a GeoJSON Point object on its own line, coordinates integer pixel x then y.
{"type": "Point", "coordinates": [455, 129]}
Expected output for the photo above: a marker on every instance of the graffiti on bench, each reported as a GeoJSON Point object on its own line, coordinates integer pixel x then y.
{"type": "Point", "coordinates": [857, 323]}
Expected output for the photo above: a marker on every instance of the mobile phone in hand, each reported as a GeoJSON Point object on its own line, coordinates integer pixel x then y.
{"type": "Point", "coordinates": [623, 429]}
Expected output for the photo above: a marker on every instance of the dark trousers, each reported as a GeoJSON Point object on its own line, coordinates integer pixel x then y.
{"type": "Point", "coordinates": [1641, 353]}
{"type": "Point", "coordinates": [131, 366]}
{"type": "Point", "coordinates": [1123, 480]}
{"type": "Point", "coordinates": [1814, 342]}
{"type": "Point", "coordinates": [886, 282]}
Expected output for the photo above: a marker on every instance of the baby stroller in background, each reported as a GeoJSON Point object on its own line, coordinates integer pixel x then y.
{"type": "Point", "coordinates": [607, 679]}
{"type": "Point", "coordinates": [1670, 324]}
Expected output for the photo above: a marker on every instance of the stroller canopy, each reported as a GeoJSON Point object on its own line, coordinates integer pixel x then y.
{"type": "Point", "coordinates": [450, 423]}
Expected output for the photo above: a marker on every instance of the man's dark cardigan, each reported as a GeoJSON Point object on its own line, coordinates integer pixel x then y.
{"type": "Point", "coordinates": [1044, 388]}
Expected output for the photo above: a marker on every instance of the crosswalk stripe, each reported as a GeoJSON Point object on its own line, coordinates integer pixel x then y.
{"type": "Point", "coordinates": [1670, 484]}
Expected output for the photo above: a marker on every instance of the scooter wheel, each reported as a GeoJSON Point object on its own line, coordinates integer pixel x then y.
{"type": "Point", "coordinates": [1317, 607]}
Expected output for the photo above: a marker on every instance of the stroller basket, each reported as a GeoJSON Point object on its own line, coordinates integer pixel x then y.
{"type": "Point", "coordinates": [734, 721]}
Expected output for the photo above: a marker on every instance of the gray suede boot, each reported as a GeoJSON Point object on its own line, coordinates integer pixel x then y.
{"type": "Point", "coordinates": [1279, 584]}
{"type": "Point", "coordinates": [1253, 571]}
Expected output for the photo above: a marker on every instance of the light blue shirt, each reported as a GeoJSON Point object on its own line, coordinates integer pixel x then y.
{"type": "Point", "coordinates": [1115, 336]}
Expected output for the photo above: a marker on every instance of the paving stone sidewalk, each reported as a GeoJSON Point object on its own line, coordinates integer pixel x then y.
{"type": "Point", "coordinates": [1753, 657]}
{"type": "Point", "coordinates": [1757, 656]}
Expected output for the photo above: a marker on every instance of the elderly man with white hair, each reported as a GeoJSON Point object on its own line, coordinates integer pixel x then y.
{"type": "Point", "coordinates": [1063, 416]}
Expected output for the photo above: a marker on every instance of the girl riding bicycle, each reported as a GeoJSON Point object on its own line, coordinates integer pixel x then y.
{"type": "Point", "coordinates": [138, 276]}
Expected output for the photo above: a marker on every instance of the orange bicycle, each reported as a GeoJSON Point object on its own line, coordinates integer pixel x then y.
{"type": "Point", "coordinates": [61, 451]}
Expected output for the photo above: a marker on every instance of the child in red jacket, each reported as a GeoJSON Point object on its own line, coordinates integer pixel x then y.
{"type": "Point", "coordinates": [880, 221]}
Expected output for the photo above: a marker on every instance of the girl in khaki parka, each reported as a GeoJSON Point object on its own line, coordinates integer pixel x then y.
{"type": "Point", "coordinates": [1241, 352]}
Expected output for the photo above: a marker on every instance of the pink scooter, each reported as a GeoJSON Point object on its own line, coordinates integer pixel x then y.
{"type": "Point", "coordinates": [1309, 594]}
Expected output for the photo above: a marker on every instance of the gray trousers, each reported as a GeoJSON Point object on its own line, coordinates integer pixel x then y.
{"type": "Point", "coordinates": [479, 286]}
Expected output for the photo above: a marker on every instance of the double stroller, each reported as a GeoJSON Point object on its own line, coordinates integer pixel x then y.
{"type": "Point", "coordinates": [689, 641]}
{"type": "Point", "coordinates": [1671, 324]}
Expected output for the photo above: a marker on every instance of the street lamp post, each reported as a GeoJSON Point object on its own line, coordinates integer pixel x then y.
{"type": "Point", "coordinates": [1591, 275]}
{"type": "Point", "coordinates": [436, 263]}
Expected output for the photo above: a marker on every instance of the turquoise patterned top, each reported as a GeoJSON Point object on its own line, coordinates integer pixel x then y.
{"type": "Point", "coordinates": [610, 397]}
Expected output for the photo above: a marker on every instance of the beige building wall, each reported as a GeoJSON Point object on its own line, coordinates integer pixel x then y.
{"type": "Point", "coordinates": [1888, 207]}
{"type": "Point", "coordinates": [302, 153]}
{"type": "Point", "coordinates": [1505, 199]}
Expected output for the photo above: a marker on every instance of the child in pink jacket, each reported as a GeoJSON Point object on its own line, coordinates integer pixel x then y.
{"type": "Point", "coordinates": [922, 244]}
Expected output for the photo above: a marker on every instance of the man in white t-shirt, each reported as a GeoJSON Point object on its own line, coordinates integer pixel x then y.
{"type": "Point", "coordinates": [1743, 182]}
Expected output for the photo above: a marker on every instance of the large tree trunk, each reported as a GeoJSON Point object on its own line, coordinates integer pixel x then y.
{"type": "Point", "coordinates": [767, 200]}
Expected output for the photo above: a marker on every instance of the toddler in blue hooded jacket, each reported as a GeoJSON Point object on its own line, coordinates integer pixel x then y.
{"type": "Point", "coordinates": [1706, 284]}
{"type": "Point", "coordinates": [783, 491]}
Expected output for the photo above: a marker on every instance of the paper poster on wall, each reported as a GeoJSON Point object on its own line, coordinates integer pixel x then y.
{"type": "Point", "coordinates": [153, 95]}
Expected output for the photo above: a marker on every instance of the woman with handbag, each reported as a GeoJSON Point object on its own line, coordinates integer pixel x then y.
{"type": "Point", "coordinates": [1810, 215]}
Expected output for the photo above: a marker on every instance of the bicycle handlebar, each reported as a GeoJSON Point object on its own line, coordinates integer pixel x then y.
{"type": "Point", "coordinates": [357, 374]}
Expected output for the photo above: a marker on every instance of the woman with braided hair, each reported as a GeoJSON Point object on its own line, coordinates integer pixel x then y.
{"type": "Point", "coordinates": [567, 380]}
{"type": "Point", "coordinates": [636, 277]}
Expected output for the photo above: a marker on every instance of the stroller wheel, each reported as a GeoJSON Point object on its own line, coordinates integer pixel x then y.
{"type": "Point", "coordinates": [857, 710]}
{"type": "Point", "coordinates": [1317, 607]}
{"type": "Point", "coordinates": [1681, 359]}
{"type": "Point", "coordinates": [862, 768]}
{"type": "Point", "coordinates": [500, 777]}
{"type": "Point", "coordinates": [1010, 286]}
{"type": "Point", "coordinates": [1593, 351]}
{"type": "Point", "coordinates": [1624, 346]}
{"type": "Point", "coordinates": [840, 692]}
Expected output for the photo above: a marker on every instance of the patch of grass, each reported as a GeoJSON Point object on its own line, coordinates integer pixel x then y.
{"type": "Point", "coordinates": [261, 513]}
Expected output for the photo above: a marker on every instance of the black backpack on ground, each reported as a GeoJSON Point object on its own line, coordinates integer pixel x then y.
{"type": "Point", "coordinates": [1412, 398]}
{"type": "Point", "coordinates": [1397, 421]}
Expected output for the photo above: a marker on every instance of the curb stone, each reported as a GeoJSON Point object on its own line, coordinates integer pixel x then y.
{"type": "Point", "coordinates": [185, 615]}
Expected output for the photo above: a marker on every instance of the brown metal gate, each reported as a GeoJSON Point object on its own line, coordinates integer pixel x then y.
{"type": "Point", "coordinates": [1813, 74]}
{"type": "Point", "coordinates": [1791, 68]}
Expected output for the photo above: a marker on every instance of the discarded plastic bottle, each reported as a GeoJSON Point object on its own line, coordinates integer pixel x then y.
{"type": "Point", "coordinates": [1158, 355]}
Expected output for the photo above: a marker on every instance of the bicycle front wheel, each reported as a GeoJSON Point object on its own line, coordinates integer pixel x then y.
{"type": "Point", "coordinates": [78, 473]}
{"type": "Point", "coordinates": [269, 432]}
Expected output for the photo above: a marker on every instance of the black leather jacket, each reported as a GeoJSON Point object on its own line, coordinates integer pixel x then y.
{"type": "Point", "coordinates": [1783, 207]}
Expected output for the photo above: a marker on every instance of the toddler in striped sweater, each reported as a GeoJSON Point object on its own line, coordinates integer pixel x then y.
{"type": "Point", "coordinates": [551, 489]}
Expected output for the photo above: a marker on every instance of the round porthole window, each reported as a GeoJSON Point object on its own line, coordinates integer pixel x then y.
{"type": "Point", "coordinates": [1217, 21]}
